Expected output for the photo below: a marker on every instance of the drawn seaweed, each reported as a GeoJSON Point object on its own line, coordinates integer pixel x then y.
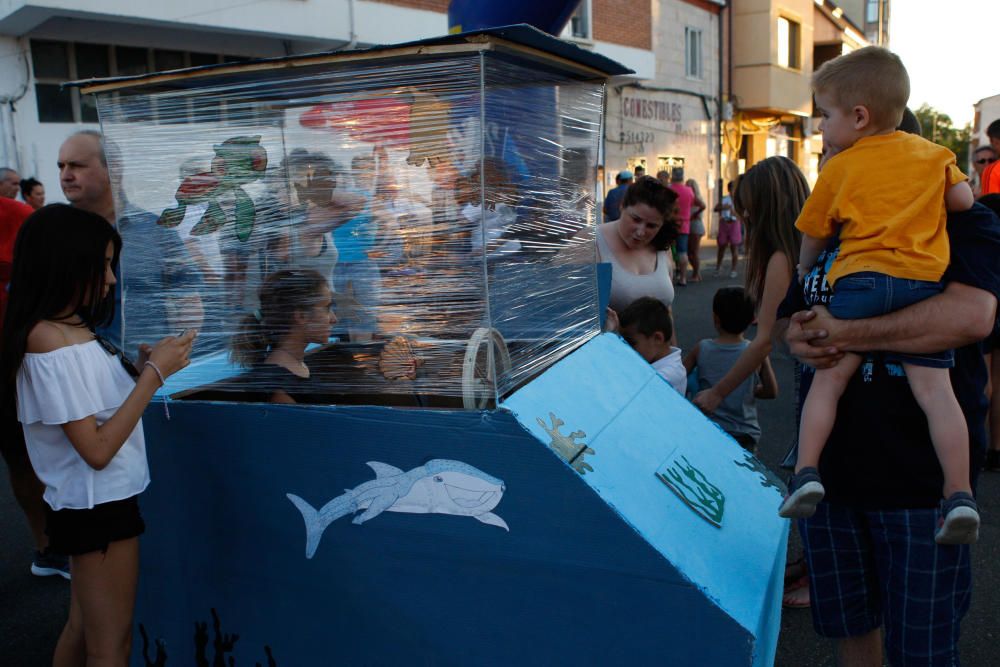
{"type": "Point", "coordinates": [223, 645]}
{"type": "Point", "coordinates": [161, 650]}
{"type": "Point", "coordinates": [694, 489]}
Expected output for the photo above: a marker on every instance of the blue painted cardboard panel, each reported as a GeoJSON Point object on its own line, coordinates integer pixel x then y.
{"type": "Point", "coordinates": [637, 425]}
{"type": "Point", "coordinates": [569, 582]}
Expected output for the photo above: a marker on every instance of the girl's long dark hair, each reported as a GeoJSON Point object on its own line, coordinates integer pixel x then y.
{"type": "Point", "coordinates": [769, 198]}
{"type": "Point", "coordinates": [58, 264]}
{"type": "Point", "coordinates": [283, 295]}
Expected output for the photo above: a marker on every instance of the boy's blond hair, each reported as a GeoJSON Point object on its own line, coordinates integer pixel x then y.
{"type": "Point", "coordinates": [871, 77]}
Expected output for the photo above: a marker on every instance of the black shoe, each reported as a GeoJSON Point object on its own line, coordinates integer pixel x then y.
{"type": "Point", "coordinates": [805, 490]}
{"type": "Point", "coordinates": [49, 564]}
{"type": "Point", "coordinates": [992, 460]}
{"type": "Point", "coordinates": [959, 523]}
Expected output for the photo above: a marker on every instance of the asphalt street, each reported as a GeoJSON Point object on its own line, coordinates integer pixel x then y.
{"type": "Point", "coordinates": [32, 609]}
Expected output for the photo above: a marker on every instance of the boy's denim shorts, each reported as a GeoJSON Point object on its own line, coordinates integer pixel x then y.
{"type": "Point", "coordinates": [867, 294]}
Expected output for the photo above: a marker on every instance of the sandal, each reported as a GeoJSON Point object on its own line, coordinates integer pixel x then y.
{"type": "Point", "coordinates": [795, 571]}
{"type": "Point", "coordinates": [797, 598]}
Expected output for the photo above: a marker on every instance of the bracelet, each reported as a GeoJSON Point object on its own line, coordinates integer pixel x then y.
{"type": "Point", "coordinates": [155, 370]}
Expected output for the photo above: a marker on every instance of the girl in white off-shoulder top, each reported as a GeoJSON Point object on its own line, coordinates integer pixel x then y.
{"type": "Point", "coordinates": [80, 410]}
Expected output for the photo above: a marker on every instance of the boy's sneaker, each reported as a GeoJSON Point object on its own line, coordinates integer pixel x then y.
{"type": "Point", "coordinates": [48, 564]}
{"type": "Point", "coordinates": [732, 274]}
{"type": "Point", "coordinates": [959, 523]}
{"type": "Point", "coordinates": [805, 490]}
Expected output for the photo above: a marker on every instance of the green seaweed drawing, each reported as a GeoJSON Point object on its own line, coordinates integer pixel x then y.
{"type": "Point", "coordinates": [694, 489]}
{"type": "Point", "coordinates": [566, 447]}
{"type": "Point", "coordinates": [768, 478]}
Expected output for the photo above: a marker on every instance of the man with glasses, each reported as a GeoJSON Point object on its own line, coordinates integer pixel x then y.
{"type": "Point", "coordinates": [983, 157]}
{"type": "Point", "coordinates": [990, 179]}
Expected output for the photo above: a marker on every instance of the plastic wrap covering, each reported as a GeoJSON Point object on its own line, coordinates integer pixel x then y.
{"type": "Point", "coordinates": [377, 232]}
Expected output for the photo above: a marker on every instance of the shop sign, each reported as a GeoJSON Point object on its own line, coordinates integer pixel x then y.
{"type": "Point", "coordinates": [637, 107]}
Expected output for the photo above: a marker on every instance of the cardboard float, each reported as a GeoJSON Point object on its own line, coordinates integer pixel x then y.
{"type": "Point", "coordinates": [535, 493]}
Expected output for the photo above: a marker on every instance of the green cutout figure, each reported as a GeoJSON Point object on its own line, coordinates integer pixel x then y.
{"type": "Point", "coordinates": [237, 161]}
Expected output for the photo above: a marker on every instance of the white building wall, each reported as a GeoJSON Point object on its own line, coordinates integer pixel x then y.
{"type": "Point", "coordinates": [989, 111]}
{"type": "Point", "coordinates": [262, 29]}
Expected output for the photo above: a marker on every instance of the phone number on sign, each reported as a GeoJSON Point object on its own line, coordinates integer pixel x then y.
{"type": "Point", "coordinates": [630, 137]}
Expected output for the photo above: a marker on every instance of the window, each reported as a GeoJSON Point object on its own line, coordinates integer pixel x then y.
{"type": "Point", "coordinates": [871, 11]}
{"type": "Point", "coordinates": [692, 53]}
{"type": "Point", "coordinates": [788, 43]}
{"type": "Point", "coordinates": [579, 23]}
{"type": "Point", "coordinates": [54, 63]}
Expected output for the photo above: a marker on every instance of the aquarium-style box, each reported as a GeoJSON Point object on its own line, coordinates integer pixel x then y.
{"type": "Point", "coordinates": [431, 185]}
{"type": "Point", "coordinates": [403, 437]}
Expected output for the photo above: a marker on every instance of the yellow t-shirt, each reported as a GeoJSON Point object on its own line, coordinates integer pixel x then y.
{"type": "Point", "coordinates": [886, 195]}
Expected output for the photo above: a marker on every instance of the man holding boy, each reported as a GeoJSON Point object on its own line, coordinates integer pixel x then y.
{"type": "Point", "coordinates": [873, 562]}
{"type": "Point", "coordinates": [870, 547]}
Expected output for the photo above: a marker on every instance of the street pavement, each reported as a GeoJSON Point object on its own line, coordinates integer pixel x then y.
{"type": "Point", "coordinates": [32, 609]}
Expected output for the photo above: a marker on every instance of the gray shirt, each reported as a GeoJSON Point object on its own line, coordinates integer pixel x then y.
{"type": "Point", "coordinates": [737, 414]}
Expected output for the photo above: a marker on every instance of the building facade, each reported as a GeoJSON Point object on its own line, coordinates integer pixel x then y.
{"type": "Point", "coordinates": [670, 118]}
{"type": "Point", "coordinates": [774, 47]}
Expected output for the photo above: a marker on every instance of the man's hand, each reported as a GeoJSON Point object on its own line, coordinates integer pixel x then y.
{"type": "Point", "coordinates": [835, 332]}
{"type": "Point", "coordinates": [707, 400]}
{"type": "Point", "coordinates": [809, 340]}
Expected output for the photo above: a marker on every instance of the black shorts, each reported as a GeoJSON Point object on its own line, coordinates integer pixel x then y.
{"type": "Point", "coordinates": [75, 532]}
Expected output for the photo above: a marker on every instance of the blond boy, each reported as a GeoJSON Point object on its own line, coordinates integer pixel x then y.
{"type": "Point", "coordinates": [886, 195]}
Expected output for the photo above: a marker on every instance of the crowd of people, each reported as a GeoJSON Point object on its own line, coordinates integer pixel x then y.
{"type": "Point", "coordinates": [894, 413]}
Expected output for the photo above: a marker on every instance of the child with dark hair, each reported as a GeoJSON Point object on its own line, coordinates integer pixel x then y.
{"type": "Point", "coordinates": [80, 404]}
{"type": "Point", "coordinates": [732, 312]}
{"type": "Point", "coordinates": [646, 325]}
{"type": "Point", "coordinates": [296, 310]}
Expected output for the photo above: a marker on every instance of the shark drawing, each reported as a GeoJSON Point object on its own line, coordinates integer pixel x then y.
{"type": "Point", "coordinates": [440, 486]}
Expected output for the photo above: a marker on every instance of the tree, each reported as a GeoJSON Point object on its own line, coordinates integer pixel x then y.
{"type": "Point", "coordinates": [937, 127]}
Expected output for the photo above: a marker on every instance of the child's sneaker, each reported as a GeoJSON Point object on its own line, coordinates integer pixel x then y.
{"type": "Point", "coordinates": [959, 523]}
{"type": "Point", "coordinates": [805, 490]}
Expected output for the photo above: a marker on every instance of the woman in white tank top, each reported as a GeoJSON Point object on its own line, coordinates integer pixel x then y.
{"type": "Point", "coordinates": [636, 244]}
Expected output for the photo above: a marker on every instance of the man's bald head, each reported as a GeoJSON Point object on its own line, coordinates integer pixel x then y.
{"type": "Point", "coordinates": [10, 182]}
{"type": "Point", "coordinates": [83, 173]}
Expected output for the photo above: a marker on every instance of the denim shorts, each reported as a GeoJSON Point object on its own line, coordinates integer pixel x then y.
{"type": "Point", "coordinates": [682, 244]}
{"type": "Point", "coordinates": [882, 568]}
{"type": "Point", "coordinates": [868, 294]}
